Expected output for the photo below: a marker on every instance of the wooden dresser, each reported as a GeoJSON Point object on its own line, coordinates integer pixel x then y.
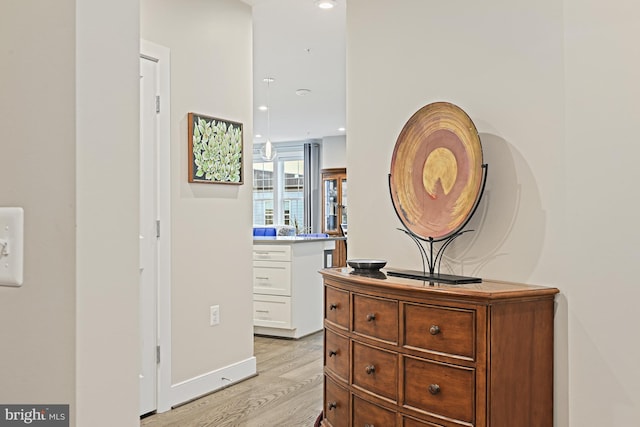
{"type": "Point", "coordinates": [404, 353]}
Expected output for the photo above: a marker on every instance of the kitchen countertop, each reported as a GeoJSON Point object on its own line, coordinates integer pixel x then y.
{"type": "Point", "coordinates": [293, 239]}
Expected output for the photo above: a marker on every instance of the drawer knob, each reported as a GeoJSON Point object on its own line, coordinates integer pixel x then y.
{"type": "Point", "coordinates": [370, 369]}
{"type": "Point", "coordinates": [371, 317]}
{"type": "Point", "coordinates": [332, 353]}
{"type": "Point", "coordinates": [333, 307]}
{"type": "Point", "coordinates": [332, 406]}
{"type": "Point", "coordinates": [434, 389]}
{"type": "Point", "coordinates": [434, 330]}
{"type": "Point", "coordinates": [369, 425]}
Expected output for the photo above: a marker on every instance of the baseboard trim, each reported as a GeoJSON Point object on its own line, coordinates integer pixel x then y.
{"type": "Point", "coordinates": [196, 387]}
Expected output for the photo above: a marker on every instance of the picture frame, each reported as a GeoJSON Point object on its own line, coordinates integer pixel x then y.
{"type": "Point", "coordinates": [216, 148]}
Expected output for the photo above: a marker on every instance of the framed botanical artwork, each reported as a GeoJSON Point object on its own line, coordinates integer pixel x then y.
{"type": "Point", "coordinates": [215, 150]}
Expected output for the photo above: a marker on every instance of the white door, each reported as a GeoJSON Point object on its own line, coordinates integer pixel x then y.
{"type": "Point", "coordinates": [149, 144]}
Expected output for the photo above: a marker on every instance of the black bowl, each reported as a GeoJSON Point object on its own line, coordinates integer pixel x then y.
{"type": "Point", "coordinates": [366, 264]}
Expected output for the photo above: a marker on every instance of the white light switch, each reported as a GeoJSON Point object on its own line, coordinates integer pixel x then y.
{"type": "Point", "coordinates": [11, 246]}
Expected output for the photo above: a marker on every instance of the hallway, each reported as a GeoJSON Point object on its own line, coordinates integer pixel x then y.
{"type": "Point", "coordinates": [287, 392]}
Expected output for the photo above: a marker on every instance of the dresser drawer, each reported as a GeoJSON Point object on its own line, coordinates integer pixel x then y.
{"type": "Point", "coordinates": [439, 329]}
{"type": "Point", "coordinates": [272, 278]}
{"type": "Point", "coordinates": [367, 414]}
{"type": "Point", "coordinates": [272, 252]}
{"type": "Point", "coordinates": [336, 354]}
{"type": "Point", "coordinates": [336, 404]}
{"type": "Point", "coordinates": [412, 422]}
{"type": "Point", "coordinates": [376, 317]}
{"type": "Point", "coordinates": [440, 389]}
{"type": "Point", "coordinates": [272, 311]}
{"type": "Point", "coordinates": [336, 306]}
{"type": "Point", "coordinates": [375, 370]}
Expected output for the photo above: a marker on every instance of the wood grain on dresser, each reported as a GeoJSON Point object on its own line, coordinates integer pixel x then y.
{"type": "Point", "coordinates": [404, 353]}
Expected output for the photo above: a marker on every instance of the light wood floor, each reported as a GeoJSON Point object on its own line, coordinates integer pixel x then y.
{"type": "Point", "coordinates": [287, 392]}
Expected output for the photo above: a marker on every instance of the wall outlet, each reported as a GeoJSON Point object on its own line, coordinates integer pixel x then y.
{"type": "Point", "coordinates": [214, 315]}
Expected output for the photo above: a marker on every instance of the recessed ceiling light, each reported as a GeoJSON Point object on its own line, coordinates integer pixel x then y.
{"type": "Point", "coordinates": [325, 4]}
{"type": "Point", "coordinates": [303, 92]}
{"type": "Point", "coordinates": [258, 135]}
{"type": "Point", "coordinates": [263, 108]}
{"type": "Point", "coordinates": [341, 129]}
{"type": "Point", "coordinates": [268, 80]}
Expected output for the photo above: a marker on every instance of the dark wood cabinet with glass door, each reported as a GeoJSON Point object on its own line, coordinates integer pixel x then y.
{"type": "Point", "coordinates": [334, 210]}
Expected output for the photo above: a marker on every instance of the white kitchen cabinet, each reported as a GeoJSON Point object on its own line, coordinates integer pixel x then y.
{"type": "Point", "coordinates": [287, 286]}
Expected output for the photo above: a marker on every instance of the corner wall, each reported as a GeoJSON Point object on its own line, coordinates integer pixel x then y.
{"type": "Point", "coordinates": [107, 212]}
{"type": "Point", "coordinates": [211, 74]}
{"type": "Point", "coordinates": [551, 88]}
{"type": "Point", "coordinates": [602, 106]}
{"type": "Point", "coordinates": [69, 156]}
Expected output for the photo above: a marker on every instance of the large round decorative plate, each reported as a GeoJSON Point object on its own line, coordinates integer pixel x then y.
{"type": "Point", "coordinates": [436, 171]}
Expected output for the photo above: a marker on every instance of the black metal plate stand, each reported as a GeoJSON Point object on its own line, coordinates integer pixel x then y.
{"type": "Point", "coordinates": [428, 258]}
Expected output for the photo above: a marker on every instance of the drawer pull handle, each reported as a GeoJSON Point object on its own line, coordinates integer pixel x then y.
{"type": "Point", "coordinates": [333, 307]}
{"type": "Point", "coordinates": [434, 330]}
{"type": "Point", "coordinates": [262, 311]}
{"type": "Point", "coordinates": [371, 317]}
{"type": "Point", "coordinates": [369, 425]}
{"type": "Point", "coordinates": [332, 406]}
{"type": "Point", "coordinates": [434, 389]}
{"type": "Point", "coordinates": [262, 278]}
{"type": "Point", "coordinates": [332, 353]}
{"type": "Point", "coordinates": [370, 369]}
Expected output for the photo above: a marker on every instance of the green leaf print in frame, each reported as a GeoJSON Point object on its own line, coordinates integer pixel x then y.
{"type": "Point", "coordinates": [215, 150]}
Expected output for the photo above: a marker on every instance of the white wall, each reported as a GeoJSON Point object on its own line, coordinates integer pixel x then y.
{"type": "Point", "coordinates": [107, 221]}
{"type": "Point", "coordinates": [551, 88]}
{"type": "Point", "coordinates": [211, 73]}
{"type": "Point", "coordinates": [37, 172]}
{"type": "Point", "coordinates": [334, 152]}
{"type": "Point", "coordinates": [69, 156]}
{"type": "Point", "coordinates": [602, 106]}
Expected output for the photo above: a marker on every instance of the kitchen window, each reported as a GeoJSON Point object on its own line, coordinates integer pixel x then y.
{"type": "Point", "coordinates": [278, 189]}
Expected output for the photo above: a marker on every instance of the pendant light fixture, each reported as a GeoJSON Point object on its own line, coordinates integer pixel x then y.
{"type": "Point", "coordinates": [268, 151]}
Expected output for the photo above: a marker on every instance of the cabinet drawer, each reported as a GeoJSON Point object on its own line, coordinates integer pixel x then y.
{"type": "Point", "coordinates": [367, 414]}
{"type": "Point", "coordinates": [375, 370]}
{"type": "Point", "coordinates": [439, 329]}
{"type": "Point", "coordinates": [440, 389]}
{"type": "Point", "coordinates": [273, 278]}
{"type": "Point", "coordinates": [412, 422]}
{"type": "Point", "coordinates": [336, 354]}
{"type": "Point", "coordinates": [336, 306]}
{"type": "Point", "coordinates": [336, 404]}
{"type": "Point", "coordinates": [272, 311]}
{"type": "Point", "coordinates": [376, 317]}
{"type": "Point", "coordinates": [272, 252]}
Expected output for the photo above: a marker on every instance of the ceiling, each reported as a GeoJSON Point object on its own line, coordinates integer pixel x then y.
{"type": "Point", "coordinates": [302, 47]}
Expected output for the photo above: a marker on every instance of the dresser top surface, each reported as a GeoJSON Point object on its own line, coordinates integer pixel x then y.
{"type": "Point", "coordinates": [487, 289]}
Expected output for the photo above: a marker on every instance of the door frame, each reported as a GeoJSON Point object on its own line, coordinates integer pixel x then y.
{"type": "Point", "coordinates": [161, 55]}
